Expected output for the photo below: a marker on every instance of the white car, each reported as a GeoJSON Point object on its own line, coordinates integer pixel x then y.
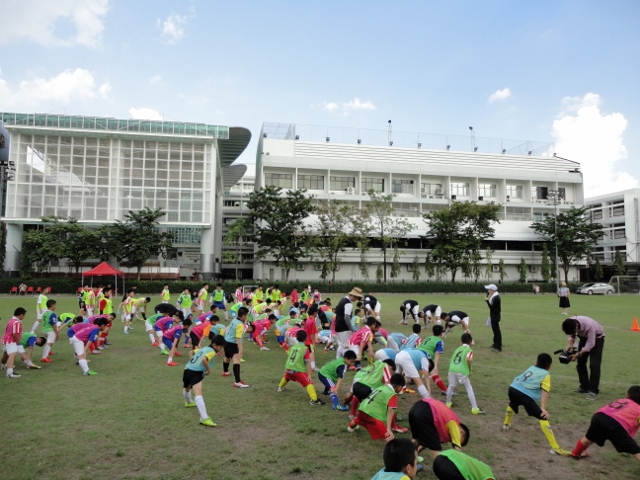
{"type": "Point", "coordinates": [595, 287]}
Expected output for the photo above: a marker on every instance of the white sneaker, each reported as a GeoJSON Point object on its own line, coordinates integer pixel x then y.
{"type": "Point", "coordinates": [240, 384]}
{"type": "Point", "coordinates": [265, 349]}
{"type": "Point", "coordinates": [281, 389]}
{"type": "Point", "coordinates": [13, 375]}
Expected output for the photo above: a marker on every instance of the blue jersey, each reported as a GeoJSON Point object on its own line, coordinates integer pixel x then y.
{"type": "Point", "coordinates": [412, 341]}
{"type": "Point", "coordinates": [417, 356]}
{"type": "Point", "coordinates": [195, 363]}
{"type": "Point", "coordinates": [532, 382]}
{"type": "Point", "coordinates": [391, 353]}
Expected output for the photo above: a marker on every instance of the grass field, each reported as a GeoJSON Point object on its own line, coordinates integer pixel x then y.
{"type": "Point", "coordinates": [129, 421]}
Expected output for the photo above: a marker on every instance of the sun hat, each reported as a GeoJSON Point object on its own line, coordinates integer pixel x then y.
{"type": "Point", "coordinates": [355, 292]}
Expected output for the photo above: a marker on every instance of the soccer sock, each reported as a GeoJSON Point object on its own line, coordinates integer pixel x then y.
{"type": "Point", "coordinates": [422, 390]}
{"type": "Point", "coordinates": [83, 365]}
{"type": "Point", "coordinates": [9, 371]}
{"type": "Point", "coordinates": [358, 365]}
{"type": "Point", "coordinates": [509, 416]}
{"type": "Point", "coordinates": [201, 408]}
{"type": "Point", "coordinates": [236, 372]}
{"type": "Point", "coordinates": [170, 359]}
{"type": "Point", "coordinates": [46, 350]}
{"type": "Point", "coordinates": [471, 395]}
{"type": "Point", "coordinates": [313, 365]}
{"type": "Point", "coordinates": [546, 429]}
{"type": "Point", "coordinates": [28, 363]}
{"type": "Point", "coordinates": [311, 390]}
{"type": "Point", "coordinates": [580, 447]}
{"type": "Point", "coordinates": [355, 402]}
{"type": "Point", "coordinates": [334, 399]}
{"type": "Point", "coordinates": [340, 351]}
{"type": "Point", "coordinates": [439, 383]}
{"type": "Point", "coordinates": [187, 396]}
{"type": "Point", "coordinates": [225, 367]}
{"type": "Point", "coordinates": [36, 324]}
{"type": "Point", "coordinates": [152, 338]}
{"type": "Point", "coordinates": [283, 382]}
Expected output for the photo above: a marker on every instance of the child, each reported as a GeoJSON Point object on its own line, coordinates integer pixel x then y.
{"type": "Point", "coordinates": [81, 337]}
{"type": "Point", "coordinates": [527, 390]}
{"type": "Point", "coordinates": [355, 319]}
{"type": "Point", "coordinates": [217, 299]}
{"type": "Point", "coordinates": [452, 464]}
{"type": "Point", "coordinates": [127, 309]}
{"type": "Point", "coordinates": [11, 341]}
{"type": "Point", "coordinates": [164, 324]}
{"type": "Point", "coordinates": [331, 376]}
{"type": "Point", "coordinates": [185, 300]}
{"type": "Point", "coordinates": [414, 339]}
{"type": "Point", "coordinates": [194, 372]}
{"type": "Point", "coordinates": [360, 341]}
{"type": "Point", "coordinates": [165, 295]}
{"type": "Point", "coordinates": [396, 340]}
{"type": "Point", "coordinates": [368, 379]}
{"type": "Point", "coordinates": [459, 371]}
{"type": "Point", "coordinates": [434, 346]}
{"type": "Point", "coordinates": [297, 368]}
{"type": "Point", "coordinates": [233, 347]}
{"type": "Point", "coordinates": [259, 329]}
{"type": "Point", "coordinates": [50, 329]}
{"type": "Point", "coordinates": [377, 411]}
{"type": "Point", "coordinates": [171, 339]}
{"type": "Point", "coordinates": [149, 324]}
{"type": "Point", "coordinates": [201, 299]}
{"type": "Point", "coordinates": [25, 350]}
{"type": "Point", "coordinates": [431, 314]}
{"type": "Point", "coordinates": [400, 460]}
{"type": "Point", "coordinates": [617, 422]}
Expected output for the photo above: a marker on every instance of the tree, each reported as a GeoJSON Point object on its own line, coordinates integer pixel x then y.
{"type": "Point", "coordinates": [458, 232]}
{"type": "Point", "coordinates": [576, 237]}
{"type": "Point", "coordinates": [233, 237]}
{"type": "Point", "coordinates": [138, 238]}
{"type": "Point", "coordinates": [415, 269]}
{"type": "Point", "coordinates": [395, 266]}
{"type": "Point", "coordinates": [331, 235]}
{"type": "Point", "coordinates": [278, 225]}
{"type": "Point", "coordinates": [387, 227]}
{"type": "Point", "coordinates": [379, 273]}
{"type": "Point", "coordinates": [476, 264]}
{"type": "Point", "coordinates": [488, 269]}
{"type": "Point", "coordinates": [598, 273]}
{"type": "Point", "coordinates": [545, 265]}
{"type": "Point", "coordinates": [429, 266]}
{"type": "Point", "coordinates": [619, 264]}
{"type": "Point", "coordinates": [502, 270]}
{"type": "Point", "coordinates": [522, 269]}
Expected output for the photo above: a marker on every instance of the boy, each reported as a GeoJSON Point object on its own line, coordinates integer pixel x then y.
{"type": "Point", "coordinates": [50, 329]}
{"type": "Point", "coordinates": [361, 341]}
{"type": "Point", "coordinates": [149, 324]}
{"type": "Point", "coordinates": [434, 346]}
{"type": "Point", "coordinates": [217, 299]}
{"type": "Point", "coordinates": [25, 350]}
{"type": "Point", "coordinates": [400, 460]}
{"type": "Point", "coordinates": [162, 325]}
{"type": "Point", "coordinates": [171, 339]}
{"type": "Point", "coordinates": [201, 299]}
{"type": "Point", "coordinates": [11, 340]}
{"type": "Point", "coordinates": [415, 365]}
{"type": "Point", "coordinates": [127, 308]}
{"type": "Point", "coordinates": [377, 411]}
{"type": "Point", "coordinates": [355, 319]}
{"type": "Point", "coordinates": [165, 295]}
{"type": "Point", "coordinates": [331, 376]}
{"type": "Point", "coordinates": [297, 369]}
{"type": "Point", "coordinates": [453, 318]}
{"type": "Point", "coordinates": [239, 295]}
{"type": "Point", "coordinates": [81, 337]}
{"type": "Point", "coordinates": [617, 422]}
{"type": "Point", "coordinates": [194, 372]}
{"type": "Point", "coordinates": [259, 329]}
{"type": "Point", "coordinates": [452, 464]}
{"type": "Point", "coordinates": [140, 306]}
{"type": "Point", "coordinates": [413, 340]}
{"type": "Point", "coordinates": [459, 371]}
{"type": "Point", "coordinates": [40, 307]}
{"type": "Point", "coordinates": [528, 389]}
{"type": "Point", "coordinates": [89, 299]}
{"type": "Point", "coordinates": [185, 300]}
{"type": "Point", "coordinates": [233, 347]}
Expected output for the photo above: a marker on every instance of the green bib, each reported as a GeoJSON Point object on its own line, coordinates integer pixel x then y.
{"type": "Point", "coordinates": [458, 363]}
{"type": "Point", "coordinates": [468, 466]}
{"type": "Point", "coordinates": [295, 358]}
{"type": "Point", "coordinates": [429, 345]}
{"type": "Point", "coordinates": [329, 369]}
{"type": "Point", "coordinates": [375, 405]}
{"type": "Point", "coordinates": [46, 318]}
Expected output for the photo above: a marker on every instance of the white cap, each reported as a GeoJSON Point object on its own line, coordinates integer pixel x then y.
{"type": "Point", "coordinates": [491, 286]}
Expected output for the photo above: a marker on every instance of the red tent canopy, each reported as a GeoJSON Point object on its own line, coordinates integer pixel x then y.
{"type": "Point", "coordinates": [102, 270]}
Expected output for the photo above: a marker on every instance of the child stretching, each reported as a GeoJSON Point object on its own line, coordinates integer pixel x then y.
{"type": "Point", "coordinates": [459, 371]}
{"type": "Point", "coordinates": [332, 374]}
{"type": "Point", "coordinates": [298, 368]}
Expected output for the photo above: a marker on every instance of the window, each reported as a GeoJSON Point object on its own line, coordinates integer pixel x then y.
{"type": "Point", "coordinates": [311, 182]}
{"type": "Point", "coordinates": [515, 191]}
{"type": "Point", "coordinates": [341, 183]}
{"type": "Point", "coordinates": [231, 203]}
{"type": "Point", "coordinates": [283, 180]}
{"type": "Point", "coordinates": [562, 193]}
{"type": "Point", "coordinates": [596, 215]}
{"type": "Point", "coordinates": [617, 211]}
{"type": "Point", "coordinates": [487, 190]}
{"type": "Point", "coordinates": [541, 193]}
{"type": "Point", "coordinates": [461, 189]}
{"type": "Point", "coordinates": [375, 184]}
{"type": "Point", "coordinates": [618, 233]}
{"type": "Point", "coordinates": [431, 189]}
{"type": "Point", "coordinates": [402, 186]}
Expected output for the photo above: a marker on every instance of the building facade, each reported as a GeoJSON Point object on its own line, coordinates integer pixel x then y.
{"type": "Point", "coordinates": [98, 169]}
{"type": "Point", "coordinates": [342, 165]}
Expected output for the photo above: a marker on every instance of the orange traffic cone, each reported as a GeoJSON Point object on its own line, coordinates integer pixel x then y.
{"type": "Point", "coordinates": [634, 325]}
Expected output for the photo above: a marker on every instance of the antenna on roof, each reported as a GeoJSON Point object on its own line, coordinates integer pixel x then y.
{"type": "Point", "coordinates": [390, 140]}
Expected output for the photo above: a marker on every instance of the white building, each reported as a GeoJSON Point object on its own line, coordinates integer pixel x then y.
{"type": "Point", "coordinates": [423, 173]}
{"type": "Point", "coordinates": [97, 169]}
{"type": "Point", "coordinates": [619, 215]}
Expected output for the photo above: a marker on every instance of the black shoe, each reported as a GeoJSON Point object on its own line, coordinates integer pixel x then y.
{"type": "Point", "coordinates": [326, 392]}
{"type": "Point", "coordinates": [580, 390]}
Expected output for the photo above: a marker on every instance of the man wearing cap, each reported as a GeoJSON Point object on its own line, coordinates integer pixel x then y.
{"type": "Point", "coordinates": [343, 320]}
{"type": "Point", "coordinates": [494, 303]}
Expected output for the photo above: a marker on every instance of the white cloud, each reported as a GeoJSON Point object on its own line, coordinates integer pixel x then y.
{"type": "Point", "coordinates": [44, 21]}
{"type": "Point", "coordinates": [155, 80]}
{"type": "Point", "coordinates": [78, 84]}
{"type": "Point", "coordinates": [595, 140]}
{"type": "Point", "coordinates": [172, 28]}
{"type": "Point", "coordinates": [499, 95]}
{"type": "Point", "coordinates": [144, 113]}
{"type": "Point", "coordinates": [345, 108]}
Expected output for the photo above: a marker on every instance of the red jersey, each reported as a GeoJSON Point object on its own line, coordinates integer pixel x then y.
{"type": "Point", "coordinates": [294, 297]}
{"type": "Point", "coordinates": [311, 329]}
{"type": "Point", "coordinates": [199, 330]}
{"type": "Point", "coordinates": [292, 332]}
{"type": "Point", "coordinates": [85, 332]}
{"type": "Point", "coordinates": [626, 412]}
{"type": "Point", "coordinates": [173, 332]}
{"type": "Point", "coordinates": [363, 335]}
{"type": "Point", "coordinates": [441, 416]}
{"type": "Point", "coordinates": [14, 327]}
{"type": "Point", "coordinates": [261, 327]}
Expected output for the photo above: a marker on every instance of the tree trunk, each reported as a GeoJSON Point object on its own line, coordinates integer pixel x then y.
{"type": "Point", "coordinates": [287, 270]}
{"type": "Point", "coordinates": [138, 273]}
{"type": "Point", "coordinates": [384, 263]}
{"type": "Point", "coordinates": [453, 275]}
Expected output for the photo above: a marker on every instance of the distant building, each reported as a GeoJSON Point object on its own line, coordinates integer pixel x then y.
{"type": "Point", "coordinates": [423, 173]}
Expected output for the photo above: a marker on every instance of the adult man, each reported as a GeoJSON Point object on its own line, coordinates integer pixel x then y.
{"type": "Point", "coordinates": [453, 318]}
{"type": "Point", "coordinates": [410, 307]}
{"type": "Point", "coordinates": [591, 335]}
{"type": "Point", "coordinates": [343, 319]}
{"type": "Point", "coordinates": [372, 306]}
{"type": "Point", "coordinates": [431, 313]}
{"type": "Point", "coordinates": [494, 303]}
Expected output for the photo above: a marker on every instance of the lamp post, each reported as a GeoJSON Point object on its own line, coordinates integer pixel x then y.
{"type": "Point", "coordinates": [554, 196]}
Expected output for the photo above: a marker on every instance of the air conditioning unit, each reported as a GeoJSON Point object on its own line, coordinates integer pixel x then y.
{"type": "Point", "coordinates": [301, 267]}
{"type": "Point", "coordinates": [409, 267]}
{"type": "Point", "coordinates": [423, 190]}
{"type": "Point", "coordinates": [395, 194]}
{"type": "Point", "coordinates": [351, 191]}
{"type": "Point", "coordinates": [495, 268]}
{"type": "Point", "coordinates": [317, 267]}
{"type": "Point", "coordinates": [534, 268]}
{"type": "Point", "coordinates": [424, 195]}
{"type": "Point", "coordinates": [438, 191]}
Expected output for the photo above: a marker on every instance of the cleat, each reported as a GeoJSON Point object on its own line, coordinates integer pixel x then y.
{"type": "Point", "coordinates": [342, 408]}
{"type": "Point", "coordinates": [13, 375]}
{"type": "Point", "coordinates": [177, 354]}
{"type": "Point", "coordinates": [560, 451]}
{"type": "Point", "coordinates": [265, 349]}
{"type": "Point", "coordinates": [34, 367]}
{"type": "Point", "coordinates": [399, 429]}
{"type": "Point", "coordinates": [584, 454]}
{"type": "Point", "coordinates": [240, 384]}
{"type": "Point", "coordinates": [580, 390]}
{"type": "Point", "coordinates": [189, 405]}
{"type": "Point", "coordinates": [317, 402]}
{"type": "Point", "coordinates": [52, 353]}
{"type": "Point", "coordinates": [408, 390]}
{"type": "Point", "coordinates": [171, 364]}
{"type": "Point", "coordinates": [352, 429]}
{"type": "Point", "coordinates": [592, 396]}
{"type": "Point", "coordinates": [91, 372]}
{"type": "Point", "coordinates": [226, 374]}
{"type": "Point", "coordinates": [281, 389]}
{"type": "Point", "coordinates": [184, 346]}
{"type": "Point", "coordinates": [207, 422]}
{"type": "Point", "coordinates": [46, 360]}
{"type": "Point", "coordinates": [506, 427]}
{"type": "Point", "coordinates": [477, 411]}
{"type": "Point", "coordinates": [449, 404]}
{"type": "Point", "coordinates": [325, 392]}
{"type": "Point", "coordinates": [155, 344]}
{"type": "Point", "coordinates": [420, 459]}
{"type": "Point", "coordinates": [242, 360]}
{"type": "Point", "coordinates": [96, 352]}
{"type": "Point", "coordinates": [164, 352]}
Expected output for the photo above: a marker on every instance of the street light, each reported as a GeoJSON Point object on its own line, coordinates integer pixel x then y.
{"type": "Point", "coordinates": [554, 195]}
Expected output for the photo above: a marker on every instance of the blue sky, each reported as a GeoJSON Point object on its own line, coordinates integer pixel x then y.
{"type": "Point", "coordinates": [554, 71]}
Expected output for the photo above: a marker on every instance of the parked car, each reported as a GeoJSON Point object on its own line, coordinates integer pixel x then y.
{"type": "Point", "coordinates": [594, 287]}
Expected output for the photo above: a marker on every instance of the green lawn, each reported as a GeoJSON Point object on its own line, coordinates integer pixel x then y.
{"type": "Point", "coordinates": [129, 421]}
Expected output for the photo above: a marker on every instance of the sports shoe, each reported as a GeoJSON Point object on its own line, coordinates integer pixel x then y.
{"type": "Point", "coordinates": [46, 360]}
{"type": "Point", "coordinates": [242, 360]}
{"type": "Point", "coordinates": [265, 349]}
{"type": "Point", "coordinates": [342, 408]}
{"type": "Point", "coordinates": [281, 389]}
{"type": "Point", "coordinates": [506, 427]}
{"type": "Point", "coordinates": [592, 396]}
{"type": "Point", "coordinates": [399, 429]}
{"type": "Point", "coordinates": [351, 430]}
{"type": "Point", "coordinates": [207, 422]}
{"type": "Point", "coordinates": [317, 402]}
{"type": "Point", "coordinates": [580, 390]}
{"type": "Point", "coordinates": [164, 352]}
{"type": "Point", "coordinates": [52, 353]}
{"type": "Point", "coordinates": [477, 411]}
{"type": "Point", "coordinates": [325, 392]}
{"type": "Point", "coordinates": [189, 405]}
{"type": "Point", "coordinates": [34, 367]}
{"type": "Point", "coordinates": [172, 364]}
{"type": "Point", "coordinates": [155, 344]}
{"type": "Point", "coordinates": [177, 354]}
{"type": "Point", "coordinates": [226, 374]}
{"type": "Point", "coordinates": [240, 384]}
{"type": "Point", "coordinates": [560, 451]}
{"type": "Point", "coordinates": [584, 454]}
{"type": "Point", "coordinates": [96, 352]}
{"type": "Point", "coordinates": [13, 375]}
{"type": "Point", "coordinates": [90, 372]}
{"type": "Point", "coordinates": [449, 404]}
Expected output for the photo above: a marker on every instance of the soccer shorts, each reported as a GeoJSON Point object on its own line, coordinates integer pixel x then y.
{"type": "Point", "coordinates": [355, 349]}
{"type": "Point", "coordinates": [90, 311]}
{"type": "Point", "coordinates": [51, 336]}
{"type": "Point", "coordinates": [10, 348]}
{"type": "Point", "coordinates": [603, 428]}
{"type": "Point", "coordinates": [445, 469]}
{"type": "Point", "coordinates": [195, 339]}
{"type": "Point", "coordinates": [220, 305]}
{"type": "Point", "coordinates": [435, 313]}
{"type": "Point", "coordinates": [423, 428]}
{"type": "Point", "coordinates": [191, 378]}
{"type": "Point", "coordinates": [301, 377]}
{"type": "Point", "coordinates": [381, 355]}
{"type": "Point", "coordinates": [200, 307]}
{"type": "Point", "coordinates": [343, 338]}
{"type": "Point", "coordinates": [291, 341]}
{"type": "Point", "coordinates": [517, 398]}
{"type": "Point", "coordinates": [167, 342]}
{"type": "Point", "coordinates": [78, 345]}
{"type": "Point", "coordinates": [39, 315]}
{"type": "Point", "coordinates": [231, 349]}
{"type": "Point", "coordinates": [127, 316]}
{"type": "Point", "coordinates": [376, 428]}
{"type": "Point", "coordinates": [456, 379]}
{"type": "Point", "coordinates": [186, 312]}
{"type": "Point", "coordinates": [361, 391]}
{"type": "Point", "coordinates": [149, 326]}
{"type": "Point", "coordinates": [404, 361]}
{"type": "Point", "coordinates": [327, 382]}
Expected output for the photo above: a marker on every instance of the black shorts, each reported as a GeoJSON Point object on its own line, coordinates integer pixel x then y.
{"type": "Point", "coordinates": [603, 428]}
{"type": "Point", "coordinates": [230, 349]}
{"type": "Point", "coordinates": [195, 339]}
{"type": "Point", "coordinates": [445, 469]}
{"type": "Point", "coordinates": [517, 398]}
{"type": "Point", "coordinates": [361, 391]}
{"type": "Point", "coordinates": [191, 378]}
{"type": "Point", "coordinates": [423, 429]}
{"type": "Point", "coordinates": [81, 304]}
